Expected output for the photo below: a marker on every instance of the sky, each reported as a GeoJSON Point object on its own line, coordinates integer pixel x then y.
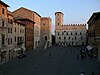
{"type": "Point", "coordinates": [75, 11]}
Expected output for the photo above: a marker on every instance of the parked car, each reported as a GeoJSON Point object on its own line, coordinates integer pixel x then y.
{"type": "Point", "coordinates": [21, 56]}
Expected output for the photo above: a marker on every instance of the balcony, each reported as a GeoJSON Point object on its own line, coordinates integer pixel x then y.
{"type": "Point", "coordinates": [3, 47]}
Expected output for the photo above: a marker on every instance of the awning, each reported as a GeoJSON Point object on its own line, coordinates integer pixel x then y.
{"type": "Point", "coordinates": [15, 49]}
{"type": "Point", "coordinates": [89, 47]}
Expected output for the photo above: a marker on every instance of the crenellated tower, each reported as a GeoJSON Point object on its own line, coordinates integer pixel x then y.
{"type": "Point", "coordinates": [59, 19]}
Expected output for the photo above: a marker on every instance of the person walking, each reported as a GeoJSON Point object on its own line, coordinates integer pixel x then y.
{"type": "Point", "coordinates": [92, 73]}
{"type": "Point", "coordinates": [77, 56]}
{"type": "Point", "coordinates": [50, 56]}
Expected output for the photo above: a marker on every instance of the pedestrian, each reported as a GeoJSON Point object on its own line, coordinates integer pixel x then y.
{"type": "Point", "coordinates": [77, 56]}
{"type": "Point", "coordinates": [35, 65]}
{"type": "Point", "coordinates": [92, 73]}
{"type": "Point", "coordinates": [50, 56]}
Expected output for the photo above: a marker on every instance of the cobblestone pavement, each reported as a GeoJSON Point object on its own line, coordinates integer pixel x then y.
{"type": "Point", "coordinates": [51, 61]}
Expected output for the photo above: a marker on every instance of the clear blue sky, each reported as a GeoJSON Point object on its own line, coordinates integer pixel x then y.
{"type": "Point", "coordinates": [75, 11]}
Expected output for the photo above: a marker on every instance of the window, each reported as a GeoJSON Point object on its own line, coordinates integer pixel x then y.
{"type": "Point", "coordinates": [69, 37]}
{"type": "Point", "coordinates": [3, 23]}
{"type": "Point", "coordinates": [64, 37]}
{"type": "Point", "coordinates": [80, 33]}
{"type": "Point", "coordinates": [75, 38]}
{"type": "Point", "coordinates": [72, 38]}
{"type": "Point", "coordinates": [11, 40]}
{"type": "Point", "coordinates": [58, 23]}
{"type": "Point", "coordinates": [67, 33]}
{"type": "Point", "coordinates": [15, 38]}
{"type": "Point", "coordinates": [59, 37]}
{"type": "Point", "coordinates": [44, 24]}
{"type": "Point", "coordinates": [15, 29]}
{"type": "Point", "coordinates": [18, 40]}
{"type": "Point", "coordinates": [58, 33]}
{"type": "Point", "coordinates": [3, 11]}
{"type": "Point", "coordinates": [81, 38]}
{"type": "Point", "coordinates": [3, 39]}
{"type": "Point", "coordinates": [21, 39]}
{"type": "Point", "coordinates": [62, 33]}
{"type": "Point", "coordinates": [8, 30]}
{"type": "Point", "coordinates": [11, 30]}
{"type": "Point", "coordinates": [71, 33]}
{"type": "Point", "coordinates": [76, 33]}
{"type": "Point", "coordinates": [8, 41]}
{"type": "Point", "coordinates": [45, 37]}
{"type": "Point", "coordinates": [11, 21]}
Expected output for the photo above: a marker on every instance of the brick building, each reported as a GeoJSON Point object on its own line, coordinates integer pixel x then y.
{"type": "Point", "coordinates": [70, 34]}
{"type": "Point", "coordinates": [33, 16]}
{"type": "Point", "coordinates": [3, 31]}
{"type": "Point", "coordinates": [94, 33]}
{"type": "Point", "coordinates": [46, 31]}
{"type": "Point", "coordinates": [29, 32]}
{"type": "Point", "coordinates": [18, 38]}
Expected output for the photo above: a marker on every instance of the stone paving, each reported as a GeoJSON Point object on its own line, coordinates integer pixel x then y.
{"type": "Point", "coordinates": [51, 61]}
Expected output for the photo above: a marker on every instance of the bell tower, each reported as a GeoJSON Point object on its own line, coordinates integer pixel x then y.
{"type": "Point", "coordinates": [59, 19]}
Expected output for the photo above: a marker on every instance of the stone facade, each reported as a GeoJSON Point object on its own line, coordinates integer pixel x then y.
{"type": "Point", "coordinates": [18, 38]}
{"type": "Point", "coordinates": [72, 34]}
{"type": "Point", "coordinates": [35, 17]}
{"type": "Point", "coordinates": [94, 33]}
{"type": "Point", "coordinates": [10, 38]}
{"type": "Point", "coordinates": [29, 32]}
{"type": "Point", "coordinates": [37, 29]}
{"type": "Point", "coordinates": [46, 30]}
{"type": "Point", "coordinates": [3, 31]}
{"type": "Point", "coordinates": [18, 32]}
{"type": "Point", "coordinates": [11, 33]}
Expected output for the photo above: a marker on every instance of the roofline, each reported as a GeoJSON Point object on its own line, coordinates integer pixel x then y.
{"type": "Point", "coordinates": [4, 4]}
{"type": "Point", "coordinates": [93, 16]}
{"type": "Point", "coordinates": [16, 21]}
{"type": "Point", "coordinates": [24, 19]}
{"type": "Point", "coordinates": [28, 10]}
{"type": "Point", "coordinates": [45, 17]}
{"type": "Point", "coordinates": [59, 12]}
{"type": "Point", "coordinates": [10, 13]}
{"type": "Point", "coordinates": [36, 13]}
